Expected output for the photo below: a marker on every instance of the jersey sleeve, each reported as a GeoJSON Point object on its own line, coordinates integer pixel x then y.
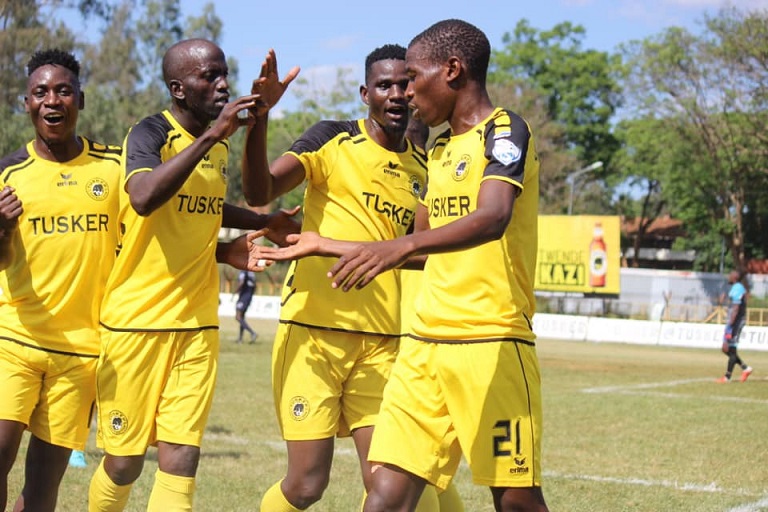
{"type": "Point", "coordinates": [143, 144]}
{"type": "Point", "coordinates": [313, 149]}
{"type": "Point", "coordinates": [507, 138]}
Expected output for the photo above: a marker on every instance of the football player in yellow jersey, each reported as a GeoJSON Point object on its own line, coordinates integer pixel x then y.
{"type": "Point", "coordinates": [160, 310]}
{"type": "Point", "coordinates": [469, 382]}
{"type": "Point", "coordinates": [333, 352]}
{"type": "Point", "coordinates": [58, 235]}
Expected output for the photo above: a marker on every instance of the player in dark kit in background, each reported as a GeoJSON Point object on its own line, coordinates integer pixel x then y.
{"type": "Point", "coordinates": [58, 235]}
{"type": "Point", "coordinates": [160, 320]}
{"type": "Point", "coordinates": [737, 318]}
{"type": "Point", "coordinates": [246, 282]}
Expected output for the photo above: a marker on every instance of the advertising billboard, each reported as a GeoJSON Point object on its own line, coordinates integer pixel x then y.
{"type": "Point", "coordinates": [579, 254]}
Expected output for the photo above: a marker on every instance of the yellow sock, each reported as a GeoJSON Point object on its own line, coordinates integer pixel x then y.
{"type": "Point", "coordinates": [449, 499]}
{"type": "Point", "coordinates": [428, 501]}
{"type": "Point", "coordinates": [275, 501]}
{"type": "Point", "coordinates": [104, 495]}
{"type": "Point", "coordinates": [171, 493]}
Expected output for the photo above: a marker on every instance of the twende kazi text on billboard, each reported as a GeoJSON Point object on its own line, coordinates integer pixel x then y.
{"type": "Point", "coordinates": [579, 254]}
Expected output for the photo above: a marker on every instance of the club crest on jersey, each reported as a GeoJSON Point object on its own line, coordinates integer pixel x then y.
{"type": "Point", "coordinates": [506, 151]}
{"type": "Point", "coordinates": [299, 408]}
{"type": "Point", "coordinates": [462, 168]}
{"type": "Point", "coordinates": [416, 186]}
{"type": "Point", "coordinates": [223, 169]}
{"type": "Point", "coordinates": [118, 423]}
{"type": "Point", "coordinates": [97, 189]}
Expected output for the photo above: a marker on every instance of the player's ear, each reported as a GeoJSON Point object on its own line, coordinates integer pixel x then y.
{"type": "Point", "coordinates": [453, 68]}
{"type": "Point", "coordinates": [82, 101]}
{"type": "Point", "coordinates": [176, 88]}
{"type": "Point", "coordinates": [364, 94]}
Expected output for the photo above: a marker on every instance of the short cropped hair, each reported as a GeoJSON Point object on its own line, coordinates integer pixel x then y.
{"type": "Point", "coordinates": [456, 37]}
{"type": "Point", "coordinates": [386, 52]}
{"type": "Point", "coordinates": [53, 56]}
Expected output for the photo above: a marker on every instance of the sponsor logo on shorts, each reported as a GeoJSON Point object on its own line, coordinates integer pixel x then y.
{"type": "Point", "coordinates": [299, 408]}
{"type": "Point", "coordinates": [520, 466]}
{"type": "Point", "coordinates": [118, 423]}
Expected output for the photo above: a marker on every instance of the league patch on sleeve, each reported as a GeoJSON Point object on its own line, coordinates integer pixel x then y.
{"type": "Point", "coordinates": [506, 151]}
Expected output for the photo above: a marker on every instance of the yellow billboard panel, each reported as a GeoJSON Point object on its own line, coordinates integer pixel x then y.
{"type": "Point", "coordinates": [579, 253]}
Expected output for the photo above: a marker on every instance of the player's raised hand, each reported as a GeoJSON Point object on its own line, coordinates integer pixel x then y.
{"type": "Point", "coordinates": [230, 120]}
{"type": "Point", "coordinates": [268, 86]}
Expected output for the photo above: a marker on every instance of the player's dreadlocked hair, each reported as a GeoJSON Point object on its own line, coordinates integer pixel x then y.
{"type": "Point", "coordinates": [457, 38]}
{"type": "Point", "coordinates": [56, 57]}
{"type": "Point", "coordinates": [386, 52]}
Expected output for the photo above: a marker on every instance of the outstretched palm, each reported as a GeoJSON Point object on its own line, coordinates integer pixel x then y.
{"type": "Point", "coordinates": [268, 86]}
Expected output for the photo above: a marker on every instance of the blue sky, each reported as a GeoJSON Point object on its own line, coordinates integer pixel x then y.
{"type": "Point", "coordinates": [323, 36]}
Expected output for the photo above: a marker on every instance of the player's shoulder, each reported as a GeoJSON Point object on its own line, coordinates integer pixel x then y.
{"type": "Point", "coordinates": [100, 151]}
{"type": "Point", "coordinates": [13, 161]}
{"type": "Point", "coordinates": [154, 124]}
{"type": "Point", "coordinates": [154, 129]}
{"type": "Point", "coordinates": [323, 132]}
{"type": "Point", "coordinates": [505, 122]}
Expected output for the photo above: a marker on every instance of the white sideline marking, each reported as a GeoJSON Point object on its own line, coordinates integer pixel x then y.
{"type": "Point", "coordinates": [711, 488]}
{"type": "Point", "coordinates": [641, 389]}
{"type": "Point", "coordinates": [751, 507]}
{"type": "Point", "coordinates": [647, 385]}
{"type": "Point", "coordinates": [680, 486]}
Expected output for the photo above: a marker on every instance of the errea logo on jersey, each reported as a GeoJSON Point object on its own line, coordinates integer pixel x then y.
{"type": "Point", "coordinates": [391, 169]}
{"type": "Point", "coordinates": [66, 180]}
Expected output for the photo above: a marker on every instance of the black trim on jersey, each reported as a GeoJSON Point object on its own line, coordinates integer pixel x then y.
{"type": "Point", "coordinates": [476, 340]}
{"type": "Point", "coordinates": [101, 151]}
{"type": "Point", "coordinates": [519, 135]}
{"type": "Point", "coordinates": [338, 329]}
{"type": "Point", "coordinates": [10, 163]}
{"type": "Point", "coordinates": [144, 141]}
{"type": "Point", "coordinates": [49, 350]}
{"type": "Point", "coordinates": [319, 134]}
{"type": "Point", "coordinates": [290, 294]}
{"type": "Point", "coordinates": [528, 321]}
{"type": "Point", "coordinates": [173, 138]}
{"type": "Point", "coordinates": [418, 154]}
{"type": "Point", "coordinates": [188, 329]}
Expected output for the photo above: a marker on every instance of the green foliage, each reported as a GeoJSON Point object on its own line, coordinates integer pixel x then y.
{"type": "Point", "coordinates": [556, 161]}
{"type": "Point", "coordinates": [709, 93]}
{"type": "Point", "coordinates": [579, 86]}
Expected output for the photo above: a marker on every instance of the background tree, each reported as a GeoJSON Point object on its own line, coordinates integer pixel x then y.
{"type": "Point", "coordinates": [710, 93]}
{"type": "Point", "coordinates": [25, 29]}
{"type": "Point", "coordinates": [579, 85]}
{"type": "Point", "coordinates": [549, 137]}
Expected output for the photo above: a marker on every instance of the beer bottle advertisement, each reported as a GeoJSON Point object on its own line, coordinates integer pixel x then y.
{"type": "Point", "coordinates": [579, 254]}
